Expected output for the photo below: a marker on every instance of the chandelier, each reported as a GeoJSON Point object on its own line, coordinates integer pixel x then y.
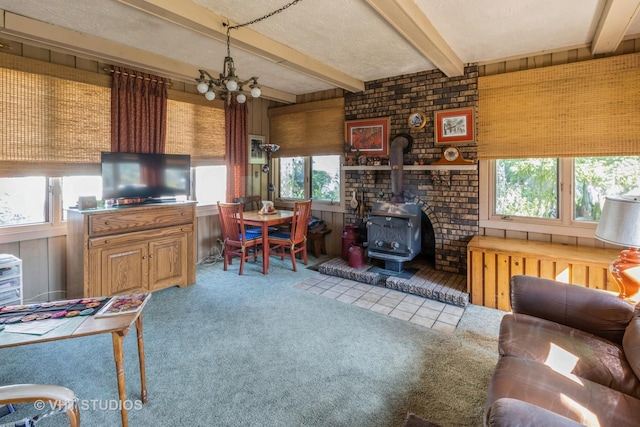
{"type": "Point", "coordinates": [228, 83]}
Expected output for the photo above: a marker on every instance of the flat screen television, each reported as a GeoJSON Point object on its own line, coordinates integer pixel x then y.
{"type": "Point", "coordinates": [147, 177]}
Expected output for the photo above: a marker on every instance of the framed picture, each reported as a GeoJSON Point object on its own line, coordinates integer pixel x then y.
{"type": "Point", "coordinates": [256, 155]}
{"type": "Point", "coordinates": [370, 137]}
{"type": "Point", "coordinates": [455, 126]}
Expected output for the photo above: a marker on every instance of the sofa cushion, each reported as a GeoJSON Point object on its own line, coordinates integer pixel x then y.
{"type": "Point", "coordinates": [569, 350]}
{"type": "Point", "coordinates": [575, 398]}
{"type": "Point", "coordinates": [631, 345]}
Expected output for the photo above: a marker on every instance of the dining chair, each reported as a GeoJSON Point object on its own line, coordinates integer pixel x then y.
{"type": "Point", "coordinates": [294, 240]}
{"type": "Point", "coordinates": [236, 240]}
{"type": "Point", "coordinates": [59, 399]}
{"type": "Point", "coordinates": [249, 203]}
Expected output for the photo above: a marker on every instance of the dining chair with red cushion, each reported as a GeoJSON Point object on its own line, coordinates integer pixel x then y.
{"type": "Point", "coordinates": [295, 240]}
{"type": "Point", "coordinates": [237, 241]}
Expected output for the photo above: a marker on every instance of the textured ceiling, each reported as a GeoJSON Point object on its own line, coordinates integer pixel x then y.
{"type": "Point", "coordinates": [348, 37]}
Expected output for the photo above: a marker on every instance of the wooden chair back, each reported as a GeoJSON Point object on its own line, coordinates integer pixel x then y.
{"type": "Point", "coordinates": [231, 221]}
{"type": "Point", "coordinates": [300, 221]}
{"type": "Point", "coordinates": [234, 235]}
{"type": "Point", "coordinates": [249, 203]}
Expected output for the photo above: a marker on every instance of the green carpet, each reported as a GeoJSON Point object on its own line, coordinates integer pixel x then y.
{"type": "Point", "coordinates": [252, 350]}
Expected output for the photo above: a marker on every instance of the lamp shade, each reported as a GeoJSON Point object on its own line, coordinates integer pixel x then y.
{"type": "Point", "coordinates": [620, 221]}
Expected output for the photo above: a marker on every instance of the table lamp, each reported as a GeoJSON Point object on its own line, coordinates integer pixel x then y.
{"type": "Point", "coordinates": [620, 225]}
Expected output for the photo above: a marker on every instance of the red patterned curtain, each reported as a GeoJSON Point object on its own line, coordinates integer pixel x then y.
{"type": "Point", "coordinates": [138, 112]}
{"type": "Point", "coordinates": [237, 137]}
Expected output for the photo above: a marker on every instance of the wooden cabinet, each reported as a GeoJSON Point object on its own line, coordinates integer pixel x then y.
{"type": "Point", "coordinates": [130, 249]}
{"type": "Point", "coordinates": [491, 261]}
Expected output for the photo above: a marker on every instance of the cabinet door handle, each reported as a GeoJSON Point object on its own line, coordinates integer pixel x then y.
{"type": "Point", "coordinates": [150, 256]}
{"type": "Point", "coordinates": [106, 223]}
{"type": "Point", "coordinates": [144, 257]}
{"type": "Point", "coordinates": [106, 241]}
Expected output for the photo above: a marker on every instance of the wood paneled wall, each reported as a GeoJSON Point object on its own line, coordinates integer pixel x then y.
{"type": "Point", "coordinates": [554, 58]}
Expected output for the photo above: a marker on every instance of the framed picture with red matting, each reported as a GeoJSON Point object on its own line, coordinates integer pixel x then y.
{"type": "Point", "coordinates": [456, 126]}
{"type": "Point", "coordinates": [369, 137]}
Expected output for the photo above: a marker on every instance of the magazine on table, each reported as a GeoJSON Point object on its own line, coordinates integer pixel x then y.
{"type": "Point", "coordinates": [124, 304]}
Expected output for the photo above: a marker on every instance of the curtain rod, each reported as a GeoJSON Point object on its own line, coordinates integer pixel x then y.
{"type": "Point", "coordinates": [111, 70]}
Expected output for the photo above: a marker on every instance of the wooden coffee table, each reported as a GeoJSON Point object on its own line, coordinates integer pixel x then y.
{"type": "Point", "coordinates": [118, 326]}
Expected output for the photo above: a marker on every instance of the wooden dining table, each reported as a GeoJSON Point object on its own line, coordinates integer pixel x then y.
{"type": "Point", "coordinates": [265, 221]}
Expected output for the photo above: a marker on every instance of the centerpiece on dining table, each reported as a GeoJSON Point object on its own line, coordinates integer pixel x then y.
{"type": "Point", "coordinates": [267, 208]}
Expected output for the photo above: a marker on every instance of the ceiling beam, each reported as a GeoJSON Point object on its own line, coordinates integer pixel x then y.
{"type": "Point", "coordinates": [409, 20]}
{"type": "Point", "coordinates": [204, 21]}
{"type": "Point", "coordinates": [613, 24]}
{"type": "Point", "coordinates": [102, 50]}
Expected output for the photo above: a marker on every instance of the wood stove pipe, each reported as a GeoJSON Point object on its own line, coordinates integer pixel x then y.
{"type": "Point", "coordinates": [400, 145]}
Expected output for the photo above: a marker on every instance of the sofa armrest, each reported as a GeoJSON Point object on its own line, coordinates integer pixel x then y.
{"type": "Point", "coordinates": [582, 308]}
{"type": "Point", "coordinates": [510, 412]}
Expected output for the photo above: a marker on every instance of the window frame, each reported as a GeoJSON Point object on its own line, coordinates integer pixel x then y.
{"type": "Point", "coordinates": [564, 225]}
{"type": "Point", "coordinates": [321, 205]}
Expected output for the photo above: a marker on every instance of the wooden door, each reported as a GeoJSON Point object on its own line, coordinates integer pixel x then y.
{"type": "Point", "coordinates": [124, 269]}
{"type": "Point", "coordinates": [168, 262]}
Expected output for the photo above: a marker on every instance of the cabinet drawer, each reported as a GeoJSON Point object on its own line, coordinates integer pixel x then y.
{"type": "Point", "coordinates": [139, 219]}
{"type": "Point", "coordinates": [13, 283]}
{"type": "Point", "coordinates": [9, 271]}
{"type": "Point", "coordinates": [136, 237]}
{"type": "Point", "coordinates": [11, 297]}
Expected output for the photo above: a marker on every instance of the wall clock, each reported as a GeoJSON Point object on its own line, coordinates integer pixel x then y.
{"type": "Point", "coordinates": [417, 120]}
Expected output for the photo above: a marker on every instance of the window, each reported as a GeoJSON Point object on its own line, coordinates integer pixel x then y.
{"type": "Point", "coordinates": [74, 187]}
{"type": "Point", "coordinates": [564, 192]}
{"type": "Point", "coordinates": [324, 184]}
{"type": "Point", "coordinates": [598, 177]}
{"type": "Point", "coordinates": [527, 188]}
{"type": "Point", "coordinates": [23, 201]}
{"type": "Point", "coordinates": [210, 185]}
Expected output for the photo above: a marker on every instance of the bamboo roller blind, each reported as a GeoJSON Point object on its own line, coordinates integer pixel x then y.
{"type": "Point", "coordinates": [311, 128]}
{"type": "Point", "coordinates": [55, 120]}
{"type": "Point", "coordinates": [580, 109]}
{"type": "Point", "coordinates": [52, 118]}
{"type": "Point", "coordinates": [195, 126]}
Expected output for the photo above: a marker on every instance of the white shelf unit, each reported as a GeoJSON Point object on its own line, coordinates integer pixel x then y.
{"type": "Point", "coordinates": [10, 280]}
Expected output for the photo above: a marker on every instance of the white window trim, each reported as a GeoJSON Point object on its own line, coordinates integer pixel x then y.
{"type": "Point", "coordinates": [564, 226]}
{"type": "Point", "coordinates": [317, 205]}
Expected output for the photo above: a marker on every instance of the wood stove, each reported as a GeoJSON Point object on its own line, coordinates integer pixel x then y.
{"type": "Point", "coordinates": [393, 233]}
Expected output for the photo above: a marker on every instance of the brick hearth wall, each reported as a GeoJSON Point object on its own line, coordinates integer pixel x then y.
{"type": "Point", "coordinates": [450, 197]}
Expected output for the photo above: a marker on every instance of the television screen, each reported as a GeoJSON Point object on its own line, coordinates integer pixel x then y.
{"type": "Point", "coordinates": [145, 176]}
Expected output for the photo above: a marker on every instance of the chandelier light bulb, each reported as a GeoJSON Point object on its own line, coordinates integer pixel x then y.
{"type": "Point", "coordinates": [202, 87]}
{"type": "Point", "coordinates": [210, 95]}
{"type": "Point", "coordinates": [232, 85]}
{"type": "Point", "coordinates": [241, 98]}
{"type": "Point", "coordinates": [256, 92]}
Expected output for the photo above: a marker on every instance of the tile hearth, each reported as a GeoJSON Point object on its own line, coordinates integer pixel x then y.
{"type": "Point", "coordinates": [390, 302]}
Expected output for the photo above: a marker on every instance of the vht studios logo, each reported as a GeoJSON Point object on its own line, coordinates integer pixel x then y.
{"type": "Point", "coordinates": [93, 405]}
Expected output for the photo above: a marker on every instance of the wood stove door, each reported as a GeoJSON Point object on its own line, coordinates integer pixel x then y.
{"type": "Point", "coordinates": [389, 235]}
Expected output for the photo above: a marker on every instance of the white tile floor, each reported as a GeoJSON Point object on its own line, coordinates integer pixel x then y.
{"type": "Point", "coordinates": [412, 308]}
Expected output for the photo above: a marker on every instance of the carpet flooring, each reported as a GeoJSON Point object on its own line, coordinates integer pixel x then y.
{"type": "Point", "coordinates": [254, 350]}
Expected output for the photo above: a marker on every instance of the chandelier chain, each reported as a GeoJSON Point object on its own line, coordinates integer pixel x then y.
{"type": "Point", "coordinates": [268, 15]}
{"type": "Point", "coordinates": [229, 83]}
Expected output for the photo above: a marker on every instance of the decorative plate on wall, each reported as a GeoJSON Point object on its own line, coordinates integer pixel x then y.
{"type": "Point", "coordinates": [417, 120]}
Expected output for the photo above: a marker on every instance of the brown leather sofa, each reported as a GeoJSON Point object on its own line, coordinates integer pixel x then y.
{"type": "Point", "coordinates": [569, 356]}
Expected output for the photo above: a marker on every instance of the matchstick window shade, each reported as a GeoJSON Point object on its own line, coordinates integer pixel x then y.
{"type": "Point", "coordinates": [312, 128]}
{"type": "Point", "coordinates": [53, 119]}
{"type": "Point", "coordinates": [583, 109]}
{"type": "Point", "coordinates": [195, 126]}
